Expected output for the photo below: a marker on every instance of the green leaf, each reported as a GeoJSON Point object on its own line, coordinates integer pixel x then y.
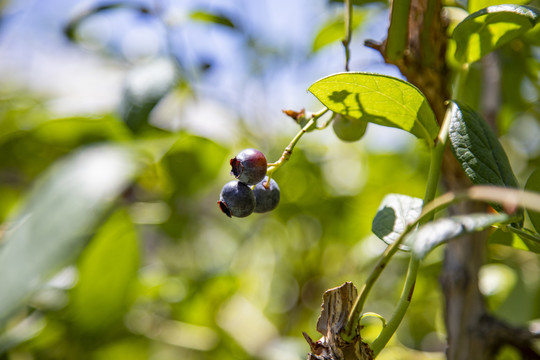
{"type": "Point", "coordinates": [208, 17]}
{"type": "Point", "coordinates": [379, 99]}
{"type": "Point", "coordinates": [475, 5]}
{"type": "Point", "coordinates": [60, 213]}
{"type": "Point", "coordinates": [107, 269]}
{"type": "Point", "coordinates": [72, 132]}
{"type": "Point", "coordinates": [334, 30]}
{"type": "Point", "coordinates": [522, 239]}
{"type": "Point", "coordinates": [395, 213]}
{"type": "Point", "coordinates": [192, 163]}
{"type": "Point", "coordinates": [490, 28]}
{"type": "Point", "coordinates": [144, 87]}
{"type": "Point", "coordinates": [478, 150]}
{"type": "Point", "coordinates": [533, 184]}
{"type": "Point", "coordinates": [437, 232]}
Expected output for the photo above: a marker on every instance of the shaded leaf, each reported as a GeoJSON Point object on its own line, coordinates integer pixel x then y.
{"type": "Point", "coordinates": [490, 28]}
{"type": "Point", "coordinates": [107, 269]}
{"type": "Point", "coordinates": [334, 30]}
{"type": "Point", "coordinates": [395, 213]}
{"type": "Point", "coordinates": [215, 18]}
{"type": "Point", "coordinates": [533, 184]}
{"type": "Point", "coordinates": [59, 215]}
{"type": "Point", "coordinates": [144, 87]}
{"type": "Point", "coordinates": [437, 232]}
{"type": "Point", "coordinates": [478, 150]}
{"type": "Point", "coordinates": [379, 99]}
{"type": "Point", "coordinates": [193, 162]}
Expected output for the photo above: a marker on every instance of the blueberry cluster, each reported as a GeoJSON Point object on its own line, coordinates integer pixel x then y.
{"type": "Point", "coordinates": [251, 191]}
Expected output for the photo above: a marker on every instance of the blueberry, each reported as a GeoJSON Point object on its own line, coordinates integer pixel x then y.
{"type": "Point", "coordinates": [349, 128]}
{"type": "Point", "coordinates": [266, 199]}
{"type": "Point", "coordinates": [236, 199]}
{"type": "Point", "coordinates": [249, 166]}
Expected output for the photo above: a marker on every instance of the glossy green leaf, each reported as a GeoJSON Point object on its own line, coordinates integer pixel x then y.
{"type": "Point", "coordinates": [215, 18]}
{"type": "Point", "coordinates": [437, 232]}
{"type": "Point", "coordinates": [475, 5]}
{"type": "Point", "coordinates": [144, 87]}
{"type": "Point", "coordinates": [379, 99]}
{"type": "Point", "coordinates": [60, 213]}
{"type": "Point", "coordinates": [478, 150]}
{"type": "Point", "coordinates": [533, 184]}
{"type": "Point", "coordinates": [334, 30]}
{"type": "Point", "coordinates": [107, 269]}
{"type": "Point", "coordinates": [395, 213]}
{"type": "Point", "coordinates": [490, 28]}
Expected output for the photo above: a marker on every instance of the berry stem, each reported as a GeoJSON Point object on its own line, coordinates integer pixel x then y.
{"type": "Point", "coordinates": [272, 167]}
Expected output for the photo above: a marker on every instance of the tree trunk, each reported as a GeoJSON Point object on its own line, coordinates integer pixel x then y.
{"type": "Point", "coordinates": [472, 333]}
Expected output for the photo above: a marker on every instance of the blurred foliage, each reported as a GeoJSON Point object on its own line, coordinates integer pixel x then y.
{"type": "Point", "coordinates": [163, 274]}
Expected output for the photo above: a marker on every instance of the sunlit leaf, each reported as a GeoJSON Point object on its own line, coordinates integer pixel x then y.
{"type": "Point", "coordinates": [215, 18]}
{"type": "Point", "coordinates": [379, 99]}
{"type": "Point", "coordinates": [107, 269]}
{"type": "Point", "coordinates": [490, 28]}
{"type": "Point", "coordinates": [478, 150]}
{"type": "Point", "coordinates": [437, 232]}
{"type": "Point", "coordinates": [475, 5]}
{"type": "Point", "coordinates": [533, 184]}
{"type": "Point", "coordinates": [60, 213]}
{"type": "Point", "coordinates": [144, 87]}
{"type": "Point", "coordinates": [334, 30]}
{"type": "Point", "coordinates": [395, 213]}
{"type": "Point", "coordinates": [74, 131]}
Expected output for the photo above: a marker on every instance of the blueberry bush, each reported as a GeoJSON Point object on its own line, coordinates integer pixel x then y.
{"type": "Point", "coordinates": [112, 246]}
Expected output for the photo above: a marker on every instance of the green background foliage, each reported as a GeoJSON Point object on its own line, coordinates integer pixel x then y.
{"type": "Point", "coordinates": [112, 245]}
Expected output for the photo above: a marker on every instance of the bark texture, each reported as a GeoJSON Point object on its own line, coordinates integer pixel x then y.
{"type": "Point", "coordinates": [337, 304]}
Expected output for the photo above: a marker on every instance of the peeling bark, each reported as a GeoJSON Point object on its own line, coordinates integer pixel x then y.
{"type": "Point", "coordinates": [337, 304]}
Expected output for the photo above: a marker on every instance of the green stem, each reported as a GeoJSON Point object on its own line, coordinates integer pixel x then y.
{"type": "Point", "coordinates": [398, 31]}
{"type": "Point", "coordinates": [348, 32]}
{"type": "Point", "coordinates": [350, 330]}
{"type": "Point", "coordinates": [461, 82]}
{"type": "Point", "coordinates": [405, 299]}
{"type": "Point", "coordinates": [272, 168]}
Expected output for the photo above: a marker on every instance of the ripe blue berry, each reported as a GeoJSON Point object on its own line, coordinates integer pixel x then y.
{"type": "Point", "coordinates": [349, 128]}
{"type": "Point", "coordinates": [249, 166]}
{"type": "Point", "coordinates": [266, 199]}
{"type": "Point", "coordinates": [236, 199]}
